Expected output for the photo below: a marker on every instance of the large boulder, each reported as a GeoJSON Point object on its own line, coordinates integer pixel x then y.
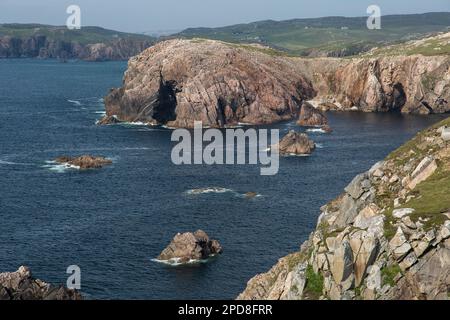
{"type": "Point", "coordinates": [186, 247]}
{"type": "Point", "coordinates": [312, 117]}
{"type": "Point", "coordinates": [295, 143]}
{"type": "Point", "coordinates": [20, 285]}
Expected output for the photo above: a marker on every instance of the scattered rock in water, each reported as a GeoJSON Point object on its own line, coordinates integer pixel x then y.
{"type": "Point", "coordinates": [311, 117]}
{"type": "Point", "coordinates": [250, 195]}
{"type": "Point", "coordinates": [84, 162]}
{"type": "Point", "coordinates": [108, 120]}
{"type": "Point", "coordinates": [20, 285]}
{"type": "Point", "coordinates": [188, 247]}
{"type": "Point", "coordinates": [296, 143]}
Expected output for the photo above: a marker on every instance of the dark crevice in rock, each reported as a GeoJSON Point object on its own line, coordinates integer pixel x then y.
{"type": "Point", "coordinates": [399, 97]}
{"type": "Point", "coordinates": [165, 110]}
{"type": "Point", "coordinates": [221, 118]}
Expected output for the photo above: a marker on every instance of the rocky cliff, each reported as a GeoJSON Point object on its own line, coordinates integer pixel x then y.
{"type": "Point", "coordinates": [42, 47]}
{"type": "Point", "coordinates": [179, 81]}
{"type": "Point", "coordinates": [387, 236]}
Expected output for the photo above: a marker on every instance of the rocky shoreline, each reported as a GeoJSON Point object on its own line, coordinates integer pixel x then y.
{"type": "Point", "coordinates": [386, 237]}
{"type": "Point", "coordinates": [20, 285]}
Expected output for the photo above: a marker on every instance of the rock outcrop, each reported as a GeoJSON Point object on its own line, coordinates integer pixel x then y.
{"type": "Point", "coordinates": [383, 238]}
{"type": "Point", "coordinates": [84, 162]}
{"type": "Point", "coordinates": [20, 285]}
{"type": "Point", "coordinates": [311, 117]}
{"type": "Point", "coordinates": [408, 84]}
{"type": "Point", "coordinates": [179, 81]}
{"type": "Point", "coordinates": [186, 247]}
{"type": "Point", "coordinates": [295, 143]}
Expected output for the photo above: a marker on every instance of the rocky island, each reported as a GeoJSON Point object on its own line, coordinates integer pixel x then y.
{"type": "Point", "coordinates": [294, 143]}
{"type": "Point", "coordinates": [190, 247]}
{"type": "Point", "coordinates": [84, 162]}
{"type": "Point", "coordinates": [387, 236]}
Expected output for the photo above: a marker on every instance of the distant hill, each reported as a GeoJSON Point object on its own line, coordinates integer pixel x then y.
{"type": "Point", "coordinates": [88, 43]}
{"type": "Point", "coordinates": [328, 36]}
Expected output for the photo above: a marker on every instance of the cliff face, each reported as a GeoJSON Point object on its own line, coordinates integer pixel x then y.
{"type": "Point", "coordinates": [179, 81]}
{"type": "Point", "coordinates": [39, 46]}
{"type": "Point", "coordinates": [408, 84]}
{"type": "Point", "coordinates": [387, 236]}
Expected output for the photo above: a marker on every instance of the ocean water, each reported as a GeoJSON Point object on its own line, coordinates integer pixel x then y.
{"type": "Point", "coordinates": [112, 222]}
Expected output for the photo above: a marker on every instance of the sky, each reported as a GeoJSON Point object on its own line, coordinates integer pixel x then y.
{"type": "Point", "coordinates": [152, 15]}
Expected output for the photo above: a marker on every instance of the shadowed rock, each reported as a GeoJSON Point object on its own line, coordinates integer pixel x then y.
{"type": "Point", "coordinates": [311, 117]}
{"type": "Point", "coordinates": [295, 143]}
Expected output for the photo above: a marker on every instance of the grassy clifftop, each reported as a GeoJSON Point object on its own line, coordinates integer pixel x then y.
{"type": "Point", "coordinates": [333, 36]}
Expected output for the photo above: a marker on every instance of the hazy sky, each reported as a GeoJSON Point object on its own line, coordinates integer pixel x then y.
{"type": "Point", "coordinates": [152, 15]}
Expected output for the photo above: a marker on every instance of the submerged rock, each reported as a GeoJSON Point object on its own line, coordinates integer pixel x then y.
{"type": "Point", "coordinates": [20, 285]}
{"type": "Point", "coordinates": [84, 162]}
{"type": "Point", "coordinates": [190, 246]}
{"type": "Point", "coordinates": [295, 143]}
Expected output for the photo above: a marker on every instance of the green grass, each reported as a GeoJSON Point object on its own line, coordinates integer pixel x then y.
{"type": "Point", "coordinates": [314, 284]}
{"type": "Point", "coordinates": [327, 35]}
{"type": "Point", "coordinates": [86, 35]}
{"type": "Point", "coordinates": [389, 273]}
{"type": "Point", "coordinates": [432, 198]}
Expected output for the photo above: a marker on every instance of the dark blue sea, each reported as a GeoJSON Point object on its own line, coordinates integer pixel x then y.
{"type": "Point", "coordinates": [112, 222]}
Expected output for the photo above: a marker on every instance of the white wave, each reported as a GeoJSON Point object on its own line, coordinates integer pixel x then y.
{"type": "Point", "coordinates": [75, 102]}
{"type": "Point", "coordinates": [244, 124]}
{"type": "Point", "coordinates": [100, 112]}
{"type": "Point", "coordinates": [59, 167]}
{"type": "Point", "coordinates": [319, 145]}
{"type": "Point", "coordinates": [208, 190]}
{"type": "Point", "coordinates": [7, 162]}
{"type": "Point", "coordinates": [137, 123]}
{"type": "Point", "coordinates": [296, 155]}
{"type": "Point", "coordinates": [219, 190]}
{"type": "Point", "coordinates": [316, 130]}
{"type": "Point", "coordinates": [175, 262]}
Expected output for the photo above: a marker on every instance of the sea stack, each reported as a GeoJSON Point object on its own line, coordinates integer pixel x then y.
{"type": "Point", "coordinates": [187, 247]}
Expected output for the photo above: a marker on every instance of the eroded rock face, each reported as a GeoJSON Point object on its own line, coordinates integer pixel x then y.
{"type": "Point", "coordinates": [190, 246]}
{"type": "Point", "coordinates": [408, 84]}
{"type": "Point", "coordinates": [179, 81]}
{"type": "Point", "coordinates": [84, 162]}
{"type": "Point", "coordinates": [20, 285]}
{"type": "Point", "coordinates": [295, 143]}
